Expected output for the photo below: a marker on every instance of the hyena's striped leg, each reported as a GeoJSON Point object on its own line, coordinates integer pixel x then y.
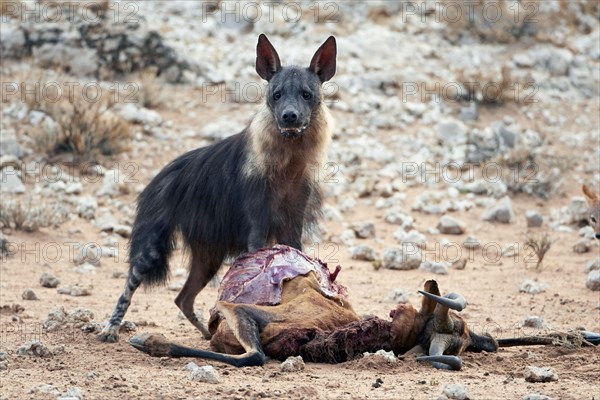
{"type": "Point", "coordinates": [110, 333]}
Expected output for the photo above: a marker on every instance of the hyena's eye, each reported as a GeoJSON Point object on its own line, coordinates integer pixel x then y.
{"type": "Point", "coordinates": [276, 96]}
{"type": "Point", "coordinates": [306, 95]}
{"type": "Point", "coordinates": [593, 219]}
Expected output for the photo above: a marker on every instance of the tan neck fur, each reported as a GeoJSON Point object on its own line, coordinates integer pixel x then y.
{"type": "Point", "coordinates": [272, 155]}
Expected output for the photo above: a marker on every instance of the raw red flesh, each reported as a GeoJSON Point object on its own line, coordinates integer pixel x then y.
{"type": "Point", "coordinates": [257, 278]}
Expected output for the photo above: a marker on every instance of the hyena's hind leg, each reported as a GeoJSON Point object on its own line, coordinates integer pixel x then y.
{"type": "Point", "coordinates": [149, 253]}
{"type": "Point", "coordinates": [203, 268]}
{"type": "Point", "coordinates": [110, 333]}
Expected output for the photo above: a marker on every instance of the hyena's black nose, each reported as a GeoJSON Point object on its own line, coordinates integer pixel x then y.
{"type": "Point", "coordinates": [289, 116]}
{"type": "Point", "coordinates": [597, 235]}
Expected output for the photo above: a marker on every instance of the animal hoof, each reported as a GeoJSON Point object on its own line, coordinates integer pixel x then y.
{"type": "Point", "coordinates": [108, 337]}
{"type": "Point", "coordinates": [155, 345]}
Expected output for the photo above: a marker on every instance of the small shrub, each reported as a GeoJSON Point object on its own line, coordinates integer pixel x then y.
{"type": "Point", "coordinates": [539, 245]}
{"type": "Point", "coordinates": [85, 129]}
{"type": "Point", "coordinates": [31, 213]}
{"type": "Point", "coordinates": [151, 87]}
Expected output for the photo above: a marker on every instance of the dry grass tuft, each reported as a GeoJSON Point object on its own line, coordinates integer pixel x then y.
{"type": "Point", "coordinates": [539, 245]}
{"type": "Point", "coordinates": [84, 128]}
{"type": "Point", "coordinates": [30, 214]}
{"type": "Point", "coordinates": [151, 87]}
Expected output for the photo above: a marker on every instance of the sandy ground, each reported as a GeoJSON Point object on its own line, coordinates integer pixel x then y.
{"type": "Point", "coordinates": [490, 283]}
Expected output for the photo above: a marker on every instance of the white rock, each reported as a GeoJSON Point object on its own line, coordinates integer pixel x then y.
{"type": "Point", "coordinates": [387, 356]}
{"type": "Point", "coordinates": [44, 389]}
{"type": "Point", "coordinates": [364, 230]}
{"type": "Point", "coordinates": [29, 294]}
{"type": "Point", "coordinates": [76, 290]}
{"type": "Point", "coordinates": [532, 287]}
{"type": "Point", "coordinates": [534, 219]}
{"type": "Point", "coordinates": [86, 207]}
{"type": "Point", "coordinates": [140, 115]}
{"type": "Point", "coordinates": [439, 268]}
{"type": "Point", "coordinates": [364, 253]}
{"type": "Point", "coordinates": [399, 296]}
{"type": "Point", "coordinates": [206, 373]}
{"type": "Point", "coordinates": [10, 181]}
{"type": "Point", "coordinates": [593, 280]}
{"type": "Point", "coordinates": [403, 258]}
{"type": "Point", "coordinates": [34, 348]}
{"type": "Point", "coordinates": [88, 253]}
{"type": "Point", "coordinates": [48, 280]}
{"type": "Point", "coordinates": [536, 374]}
{"type": "Point", "coordinates": [455, 391]}
{"type": "Point", "coordinates": [450, 226]}
{"type": "Point", "coordinates": [537, 396]}
{"type": "Point", "coordinates": [500, 212]}
{"type": "Point", "coordinates": [592, 265]}
{"type": "Point", "coordinates": [292, 364]}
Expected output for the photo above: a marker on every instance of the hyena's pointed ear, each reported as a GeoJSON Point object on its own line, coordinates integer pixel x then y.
{"type": "Point", "coordinates": [267, 59]}
{"type": "Point", "coordinates": [323, 62]}
{"type": "Point", "coordinates": [589, 193]}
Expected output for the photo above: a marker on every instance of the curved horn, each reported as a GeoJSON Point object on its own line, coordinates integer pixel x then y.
{"type": "Point", "coordinates": [454, 301]}
{"type": "Point", "coordinates": [443, 362]}
{"type": "Point", "coordinates": [436, 356]}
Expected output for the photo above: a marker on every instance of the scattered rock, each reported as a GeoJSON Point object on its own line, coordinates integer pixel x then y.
{"type": "Point", "coordinates": [534, 219]}
{"type": "Point", "coordinates": [29, 294]}
{"type": "Point", "coordinates": [433, 267]}
{"type": "Point", "coordinates": [122, 230]}
{"type": "Point", "coordinates": [413, 237]}
{"type": "Point", "coordinates": [405, 258]}
{"type": "Point", "coordinates": [471, 243]}
{"type": "Point", "coordinates": [76, 290]}
{"type": "Point", "coordinates": [140, 115]}
{"type": "Point", "coordinates": [593, 280]}
{"type": "Point", "coordinates": [44, 389]}
{"type": "Point", "coordinates": [48, 280]}
{"type": "Point", "coordinates": [459, 264]}
{"type": "Point", "coordinates": [292, 364]}
{"type": "Point", "coordinates": [206, 373]}
{"type": "Point", "coordinates": [450, 226]}
{"type": "Point", "coordinates": [59, 318]}
{"type": "Point", "coordinates": [592, 265]}
{"type": "Point", "coordinates": [587, 232]}
{"type": "Point", "coordinates": [500, 212]}
{"type": "Point", "coordinates": [455, 391]}
{"type": "Point", "coordinates": [10, 182]}
{"type": "Point", "coordinates": [532, 287]}
{"type": "Point", "coordinates": [537, 374]}
{"type": "Point", "coordinates": [86, 207]}
{"type": "Point", "coordinates": [387, 356]}
{"type": "Point", "coordinates": [582, 246]}
{"type": "Point", "coordinates": [363, 253]}
{"type": "Point", "coordinates": [533, 321]}
{"type": "Point", "coordinates": [364, 230]}
{"type": "Point", "coordinates": [86, 268]}
{"type": "Point", "coordinates": [578, 210]}
{"type": "Point", "coordinates": [537, 396]}
{"type": "Point", "coordinates": [399, 296]}
{"type": "Point", "coordinates": [72, 393]}
{"type": "Point", "coordinates": [34, 348]}
{"type": "Point", "coordinates": [397, 218]}
{"type": "Point", "coordinates": [88, 253]}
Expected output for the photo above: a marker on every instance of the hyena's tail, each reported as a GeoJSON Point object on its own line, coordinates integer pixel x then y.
{"type": "Point", "coordinates": [151, 244]}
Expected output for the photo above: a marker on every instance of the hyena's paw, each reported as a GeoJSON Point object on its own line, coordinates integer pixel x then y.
{"type": "Point", "coordinates": [109, 334]}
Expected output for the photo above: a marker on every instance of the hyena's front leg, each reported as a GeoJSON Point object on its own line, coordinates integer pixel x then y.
{"type": "Point", "coordinates": [110, 333]}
